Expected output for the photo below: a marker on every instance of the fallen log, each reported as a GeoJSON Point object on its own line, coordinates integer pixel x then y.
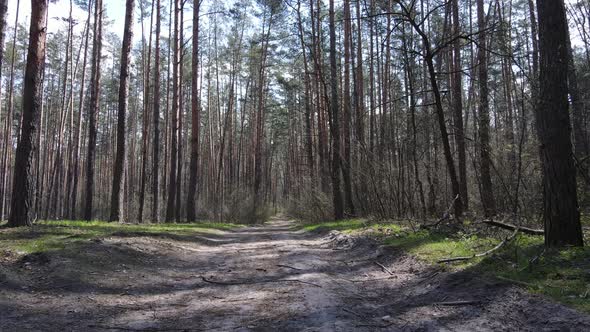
{"type": "Point", "coordinates": [525, 230]}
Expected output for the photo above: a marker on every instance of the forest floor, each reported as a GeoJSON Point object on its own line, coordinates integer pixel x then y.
{"type": "Point", "coordinates": [275, 277]}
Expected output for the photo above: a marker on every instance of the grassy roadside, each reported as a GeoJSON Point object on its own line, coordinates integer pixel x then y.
{"type": "Point", "coordinates": [563, 275]}
{"type": "Point", "coordinates": [56, 235]}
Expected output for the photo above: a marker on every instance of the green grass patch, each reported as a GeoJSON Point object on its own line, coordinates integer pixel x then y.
{"type": "Point", "coordinates": [563, 275]}
{"type": "Point", "coordinates": [57, 235]}
{"type": "Point", "coordinates": [341, 225]}
{"type": "Point", "coordinates": [350, 226]}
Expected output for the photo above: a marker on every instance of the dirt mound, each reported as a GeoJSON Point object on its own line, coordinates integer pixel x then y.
{"type": "Point", "coordinates": [39, 258]}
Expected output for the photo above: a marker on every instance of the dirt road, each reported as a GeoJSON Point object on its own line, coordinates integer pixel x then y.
{"type": "Point", "coordinates": [269, 278]}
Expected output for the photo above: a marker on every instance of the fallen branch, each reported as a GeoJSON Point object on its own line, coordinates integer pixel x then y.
{"type": "Point", "coordinates": [289, 267]}
{"type": "Point", "coordinates": [518, 282]}
{"type": "Point", "coordinates": [375, 325]}
{"type": "Point", "coordinates": [456, 303]}
{"type": "Point", "coordinates": [497, 247]}
{"type": "Point", "coordinates": [376, 279]}
{"type": "Point", "coordinates": [511, 227]}
{"type": "Point", "coordinates": [352, 312]}
{"type": "Point", "coordinates": [384, 268]}
{"type": "Point", "coordinates": [446, 215]}
{"type": "Point", "coordinates": [222, 283]}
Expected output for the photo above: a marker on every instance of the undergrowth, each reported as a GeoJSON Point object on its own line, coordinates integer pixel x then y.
{"type": "Point", "coordinates": [563, 275]}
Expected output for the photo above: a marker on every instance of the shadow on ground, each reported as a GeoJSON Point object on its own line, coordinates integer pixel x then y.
{"type": "Point", "coordinates": [272, 277]}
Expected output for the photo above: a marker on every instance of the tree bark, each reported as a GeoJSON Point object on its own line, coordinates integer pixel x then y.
{"type": "Point", "coordinates": [335, 123]}
{"type": "Point", "coordinates": [191, 207]}
{"type": "Point", "coordinates": [122, 110]}
{"type": "Point", "coordinates": [93, 109]}
{"type": "Point", "coordinates": [458, 106]}
{"type": "Point", "coordinates": [156, 117]}
{"type": "Point", "coordinates": [560, 200]}
{"type": "Point", "coordinates": [487, 193]}
{"type": "Point", "coordinates": [171, 203]}
{"type": "Point", "coordinates": [21, 213]}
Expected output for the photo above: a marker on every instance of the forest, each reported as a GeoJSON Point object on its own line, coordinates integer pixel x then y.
{"type": "Point", "coordinates": [282, 145]}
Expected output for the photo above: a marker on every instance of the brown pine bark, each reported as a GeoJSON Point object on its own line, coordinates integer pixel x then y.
{"type": "Point", "coordinates": [561, 214]}
{"type": "Point", "coordinates": [8, 122]}
{"type": "Point", "coordinates": [171, 202]}
{"type": "Point", "coordinates": [191, 207]}
{"type": "Point", "coordinates": [145, 123]}
{"type": "Point", "coordinates": [21, 213]}
{"type": "Point", "coordinates": [116, 207]}
{"type": "Point", "coordinates": [335, 123]}
{"type": "Point", "coordinates": [156, 117]}
{"type": "Point", "coordinates": [93, 109]}
{"type": "Point", "coordinates": [347, 162]}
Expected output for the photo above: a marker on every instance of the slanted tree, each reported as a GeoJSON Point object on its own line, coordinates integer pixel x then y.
{"type": "Point", "coordinates": [21, 213]}
{"type": "Point", "coordinates": [561, 213]}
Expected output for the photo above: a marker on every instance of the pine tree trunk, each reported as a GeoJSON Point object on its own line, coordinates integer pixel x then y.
{"type": "Point", "coordinates": [347, 163]}
{"type": "Point", "coordinates": [458, 106]}
{"type": "Point", "coordinates": [21, 213]}
{"type": "Point", "coordinates": [78, 130]}
{"type": "Point", "coordinates": [335, 123]}
{"type": "Point", "coordinates": [171, 203]}
{"type": "Point", "coordinates": [93, 109]}
{"type": "Point", "coordinates": [8, 122]}
{"type": "Point", "coordinates": [195, 119]}
{"type": "Point", "coordinates": [487, 193]}
{"type": "Point", "coordinates": [561, 214]}
{"type": "Point", "coordinates": [122, 110]}
{"type": "Point", "coordinates": [156, 117]}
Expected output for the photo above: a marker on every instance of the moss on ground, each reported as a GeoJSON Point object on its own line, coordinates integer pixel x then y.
{"type": "Point", "coordinates": [563, 274]}
{"type": "Point", "coordinates": [57, 235]}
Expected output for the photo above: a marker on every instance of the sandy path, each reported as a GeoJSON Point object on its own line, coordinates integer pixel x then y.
{"type": "Point", "coordinates": [269, 278]}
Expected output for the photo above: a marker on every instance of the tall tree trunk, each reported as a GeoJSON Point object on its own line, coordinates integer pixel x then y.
{"type": "Point", "coordinates": [78, 129]}
{"type": "Point", "coordinates": [8, 121]}
{"type": "Point", "coordinates": [458, 106]}
{"type": "Point", "coordinates": [487, 193]}
{"type": "Point", "coordinates": [180, 115]}
{"type": "Point", "coordinates": [335, 123]}
{"type": "Point", "coordinates": [94, 108]}
{"type": "Point", "coordinates": [21, 213]}
{"type": "Point", "coordinates": [116, 197]}
{"type": "Point", "coordinates": [347, 162]}
{"type": "Point", "coordinates": [171, 203]}
{"type": "Point", "coordinates": [195, 119]}
{"type": "Point", "coordinates": [146, 103]}
{"type": "Point", "coordinates": [156, 117]}
{"type": "Point", "coordinates": [560, 200]}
